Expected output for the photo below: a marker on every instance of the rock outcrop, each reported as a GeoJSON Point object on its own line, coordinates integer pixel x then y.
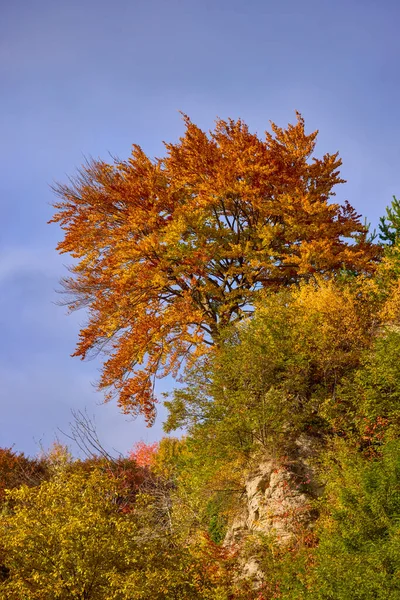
{"type": "Point", "coordinates": [277, 501]}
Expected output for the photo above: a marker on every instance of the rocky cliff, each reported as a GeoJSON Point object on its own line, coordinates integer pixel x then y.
{"type": "Point", "coordinates": [277, 501]}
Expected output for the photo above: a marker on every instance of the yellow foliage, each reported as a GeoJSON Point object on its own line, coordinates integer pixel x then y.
{"type": "Point", "coordinates": [173, 250]}
{"type": "Point", "coordinates": [64, 539]}
{"type": "Point", "coordinates": [390, 313]}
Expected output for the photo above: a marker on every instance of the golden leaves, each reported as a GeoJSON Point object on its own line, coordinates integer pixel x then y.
{"type": "Point", "coordinates": [66, 538]}
{"type": "Point", "coordinates": [172, 250]}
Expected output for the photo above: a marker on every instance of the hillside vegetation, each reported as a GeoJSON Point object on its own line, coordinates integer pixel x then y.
{"type": "Point", "coordinates": [281, 313]}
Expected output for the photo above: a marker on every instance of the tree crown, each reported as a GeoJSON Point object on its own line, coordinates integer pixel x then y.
{"type": "Point", "coordinates": [169, 251]}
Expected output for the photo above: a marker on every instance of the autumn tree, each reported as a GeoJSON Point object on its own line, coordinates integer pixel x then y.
{"type": "Point", "coordinates": [16, 469]}
{"type": "Point", "coordinates": [65, 538]}
{"type": "Point", "coordinates": [143, 454]}
{"type": "Point", "coordinates": [169, 251]}
{"type": "Point", "coordinates": [71, 538]}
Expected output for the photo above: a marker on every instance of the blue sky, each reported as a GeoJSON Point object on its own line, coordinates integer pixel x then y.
{"type": "Point", "coordinates": [91, 77]}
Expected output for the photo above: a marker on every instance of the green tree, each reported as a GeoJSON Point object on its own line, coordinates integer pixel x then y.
{"type": "Point", "coordinates": [358, 556]}
{"type": "Point", "coordinates": [389, 225]}
{"type": "Point", "coordinates": [275, 375]}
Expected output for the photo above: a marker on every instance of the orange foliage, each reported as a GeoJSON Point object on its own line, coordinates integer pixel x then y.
{"type": "Point", "coordinates": [170, 251]}
{"type": "Point", "coordinates": [143, 454]}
